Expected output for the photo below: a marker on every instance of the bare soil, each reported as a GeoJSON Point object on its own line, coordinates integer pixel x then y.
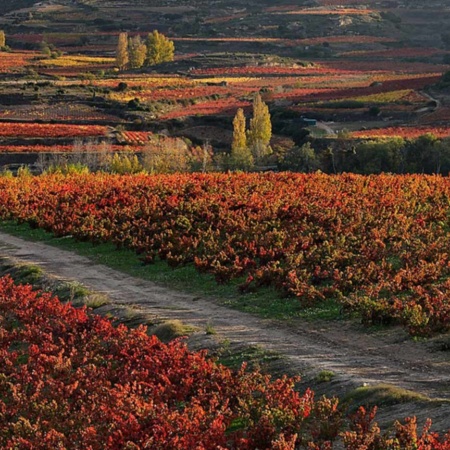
{"type": "Point", "coordinates": [356, 356]}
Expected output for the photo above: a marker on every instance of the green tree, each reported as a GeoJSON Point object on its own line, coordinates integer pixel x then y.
{"type": "Point", "coordinates": [260, 130]}
{"type": "Point", "coordinates": [2, 39]}
{"type": "Point", "coordinates": [159, 49]}
{"type": "Point", "coordinates": [122, 56]}
{"type": "Point", "coordinates": [301, 159]}
{"type": "Point", "coordinates": [45, 49]}
{"type": "Point", "coordinates": [137, 51]}
{"type": "Point", "coordinates": [423, 154]}
{"type": "Point", "coordinates": [380, 155]}
{"type": "Point", "coordinates": [441, 157]}
{"type": "Point", "coordinates": [241, 156]}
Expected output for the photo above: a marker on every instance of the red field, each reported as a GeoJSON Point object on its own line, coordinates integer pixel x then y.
{"type": "Point", "coordinates": [60, 148]}
{"type": "Point", "coordinates": [298, 233]}
{"type": "Point", "coordinates": [14, 62]}
{"type": "Point", "coordinates": [71, 380]}
{"type": "Point", "coordinates": [50, 130]}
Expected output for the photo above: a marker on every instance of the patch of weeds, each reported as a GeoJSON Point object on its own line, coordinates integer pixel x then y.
{"type": "Point", "coordinates": [382, 395]}
{"type": "Point", "coordinates": [28, 274]}
{"type": "Point", "coordinates": [236, 425]}
{"type": "Point", "coordinates": [131, 317]}
{"type": "Point", "coordinates": [209, 329]}
{"type": "Point", "coordinates": [22, 359]}
{"type": "Point", "coordinates": [172, 329]}
{"type": "Point", "coordinates": [6, 267]}
{"type": "Point", "coordinates": [95, 301]}
{"type": "Point", "coordinates": [265, 302]}
{"type": "Point", "coordinates": [325, 376]}
{"type": "Point", "coordinates": [72, 291]}
{"type": "Point", "coordinates": [440, 343]}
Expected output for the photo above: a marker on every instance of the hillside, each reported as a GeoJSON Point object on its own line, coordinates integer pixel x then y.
{"type": "Point", "coordinates": [405, 24]}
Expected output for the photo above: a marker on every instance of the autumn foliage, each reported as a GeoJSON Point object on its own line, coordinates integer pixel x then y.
{"type": "Point", "coordinates": [69, 379]}
{"type": "Point", "coordinates": [72, 380]}
{"type": "Point", "coordinates": [11, 129]}
{"type": "Point", "coordinates": [377, 244]}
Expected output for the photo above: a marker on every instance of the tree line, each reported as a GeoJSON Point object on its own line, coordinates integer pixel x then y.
{"type": "Point", "coordinates": [134, 52]}
{"type": "Point", "coordinates": [426, 154]}
{"type": "Point", "coordinates": [251, 150]}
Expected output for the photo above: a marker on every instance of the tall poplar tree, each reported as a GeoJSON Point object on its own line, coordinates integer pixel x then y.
{"type": "Point", "coordinates": [137, 51]}
{"type": "Point", "coordinates": [241, 156]}
{"type": "Point", "coordinates": [260, 130]}
{"type": "Point", "coordinates": [2, 39]}
{"type": "Point", "coordinates": [122, 56]}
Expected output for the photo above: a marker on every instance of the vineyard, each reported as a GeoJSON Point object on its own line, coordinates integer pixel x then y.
{"type": "Point", "coordinates": [50, 130]}
{"type": "Point", "coordinates": [377, 245]}
{"type": "Point", "coordinates": [94, 385]}
{"type": "Point", "coordinates": [286, 160]}
{"type": "Point", "coordinates": [367, 87]}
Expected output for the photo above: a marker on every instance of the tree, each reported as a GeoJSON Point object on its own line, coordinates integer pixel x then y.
{"type": "Point", "coordinates": [428, 154]}
{"type": "Point", "coordinates": [2, 39]}
{"type": "Point", "coordinates": [301, 159]}
{"type": "Point", "coordinates": [377, 156]}
{"type": "Point", "coordinates": [201, 158]}
{"type": "Point", "coordinates": [137, 51]}
{"type": "Point", "coordinates": [441, 157]}
{"type": "Point", "coordinates": [124, 164]}
{"type": "Point", "coordinates": [122, 56]}
{"type": "Point", "coordinates": [260, 130]}
{"type": "Point", "coordinates": [159, 49]}
{"type": "Point", "coordinates": [166, 157]}
{"type": "Point", "coordinates": [241, 156]}
{"type": "Point", "coordinates": [239, 136]}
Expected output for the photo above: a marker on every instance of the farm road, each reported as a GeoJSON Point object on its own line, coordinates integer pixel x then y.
{"type": "Point", "coordinates": [357, 358]}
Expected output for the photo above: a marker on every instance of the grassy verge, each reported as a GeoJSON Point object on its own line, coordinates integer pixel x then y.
{"type": "Point", "coordinates": [266, 302]}
{"type": "Point", "coordinates": [254, 355]}
{"type": "Point", "coordinates": [383, 395]}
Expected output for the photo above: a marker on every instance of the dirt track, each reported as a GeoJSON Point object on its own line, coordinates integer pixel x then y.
{"type": "Point", "coordinates": [357, 358]}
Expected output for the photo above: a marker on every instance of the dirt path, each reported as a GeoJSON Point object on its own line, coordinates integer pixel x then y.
{"type": "Point", "coordinates": [357, 358]}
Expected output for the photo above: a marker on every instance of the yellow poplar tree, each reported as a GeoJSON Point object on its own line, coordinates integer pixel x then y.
{"type": "Point", "coordinates": [122, 56]}
{"type": "Point", "coordinates": [260, 131]}
{"type": "Point", "coordinates": [2, 39]}
{"type": "Point", "coordinates": [137, 51]}
{"type": "Point", "coordinates": [159, 49]}
{"type": "Point", "coordinates": [241, 156]}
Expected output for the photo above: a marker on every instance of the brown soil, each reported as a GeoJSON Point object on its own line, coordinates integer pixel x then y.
{"type": "Point", "coordinates": [357, 357]}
